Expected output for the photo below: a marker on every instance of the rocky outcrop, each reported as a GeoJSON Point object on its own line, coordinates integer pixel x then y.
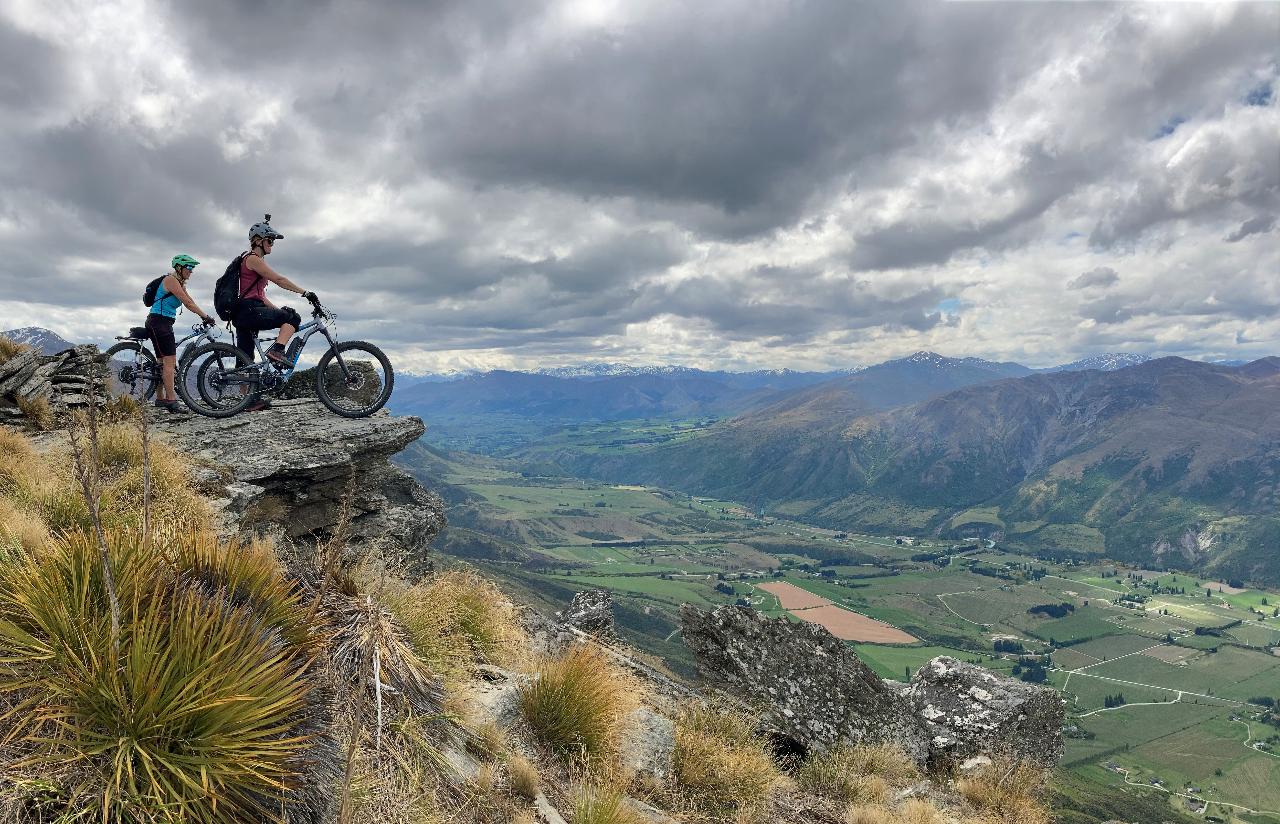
{"type": "Point", "coordinates": [817, 692]}
{"type": "Point", "coordinates": [62, 380]}
{"type": "Point", "coordinates": [814, 689]}
{"type": "Point", "coordinates": [591, 612]}
{"type": "Point", "coordinates": [970, 711]}
{"type": "Point", "coordinates": [291, 466]}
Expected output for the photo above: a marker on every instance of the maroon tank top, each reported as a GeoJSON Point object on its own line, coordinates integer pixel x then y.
{"type": "Point", "coordinates": [252, 284]}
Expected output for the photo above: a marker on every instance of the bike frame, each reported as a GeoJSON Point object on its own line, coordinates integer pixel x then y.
{"type": "Point", "coordinates": [209, 333]}
{"type": "Point", "coordinates": [319, 324]}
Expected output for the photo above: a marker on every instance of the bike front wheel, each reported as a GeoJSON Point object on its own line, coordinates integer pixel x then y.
{"type": "Point", "coordinates": [217, 380]}
{"type": "Point", "coordinates": [354, 379]}
{"type": "Point", "coordinates": [133, 371]}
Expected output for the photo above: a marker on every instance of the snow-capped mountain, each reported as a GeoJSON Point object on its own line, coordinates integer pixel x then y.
{"type": "Point", "coordinates": [1108, 362]}
{"type": "Point", "coordinates": [42, 340]}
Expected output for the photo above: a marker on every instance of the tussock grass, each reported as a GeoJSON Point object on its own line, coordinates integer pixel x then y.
{"type": "Point", "coordinates": [919, 811]}
{"type": "Point", "coordinates": [456, 619]}
{"type": "Point", "coordinates": [1006, 792]}
{"type": "Point", "coordinates": [603, 804]}
{"type": "Point", "coordinates": [857, 774]}
{"type": "Point", "coordinates": [722, 768]}
{"type": "Point", "coordinates": [10, 348]}
{"type": "Point", "coordinates": [577, 706]}
{"type": "Point", "coordinates": [199, 718]}
{"type": "Point", "coordinates": [44, 486]}
{"type": "Point", "coordinates": [37, 412]}
{"type": "Point", "coordinates": [20, 531]}
{"type": "Point", "coordinates": [525, 779]}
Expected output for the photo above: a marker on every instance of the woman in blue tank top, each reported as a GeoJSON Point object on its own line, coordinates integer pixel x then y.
{"type": "Point", "coordinates": [171, 294]}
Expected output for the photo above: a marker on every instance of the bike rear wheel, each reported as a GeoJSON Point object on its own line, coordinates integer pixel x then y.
{"type": "Point", "coordinates": [133, 371]}
{"type": "Point", "coordinates": [354, 379]}
{"type": "Point", "coordinates": [217, 380]}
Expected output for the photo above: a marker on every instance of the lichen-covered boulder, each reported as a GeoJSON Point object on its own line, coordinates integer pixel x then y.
{"type": "Point", "coordinates": [970, 711]}
{"type": "Point", "coordinates": [592, 613]}
{"type": "Point", "coordinates": [813, 688]}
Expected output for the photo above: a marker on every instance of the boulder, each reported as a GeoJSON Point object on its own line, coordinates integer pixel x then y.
{"type": "Point", "coordinates": [649, 745]}
{"type": "Point", "coordinates": [970, 712]}
{"type": "Point", "coordinates": [592, 613]}
{"type": "Point", "coordinates": [815, 691]}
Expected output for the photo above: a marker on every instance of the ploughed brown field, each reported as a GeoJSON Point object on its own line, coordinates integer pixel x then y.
{"type": "Point", "coordinates": [850, 626]}
{"type": "Point", "coordinates": [792, 596]}
{"type": "Point", "coordinates": [840, 622]}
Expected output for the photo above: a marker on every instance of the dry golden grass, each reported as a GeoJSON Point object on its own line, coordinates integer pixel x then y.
{"type": "Point", "coordinates": [44, 485]}
{"type": "Point", "coordinates": [918, 811]}
{"type": "Point", "coordinates": [37, 412]}
{"type": "Point", "coordinates": [10, 348]}
{"type": "Point", "coordinates": [457, 619]}
{"type": "Point", "coordinates": [20, 530]}
{"type": "Point", "coordinates": [603, 804]}
{"type": "Point", "coordinates": [870, 815]}
{"type": "Point", "coordinates": [722, 769]}
{"type": "Point", "coordinates": [913, 811]}
{"type": "Point", "coordinates": [845, 773]}
{"type": "Point", "coordinates": [578, 705]}
{"type": "Point", "coordinates": [1006, 792]}
{"type": "Point", "coordinates": [525, 779]}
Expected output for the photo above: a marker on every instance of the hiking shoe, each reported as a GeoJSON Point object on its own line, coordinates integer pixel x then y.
{"type": "Point", "coordinates": [169, 406]}
{"type": "Point", "coordinates": [276, 354]}
{"type": "Point", "coordinates": [258, 405]}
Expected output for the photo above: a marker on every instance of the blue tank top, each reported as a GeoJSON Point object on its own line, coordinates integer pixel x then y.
{"type": "Point", "coordinates": [166, 304]}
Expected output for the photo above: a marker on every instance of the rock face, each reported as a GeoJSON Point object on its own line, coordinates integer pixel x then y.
{"type": "Point", "coordinates": [815, 690]}
{"type": "Point", "coordinates": [818, 692]}
{"type": "Point", "coordinates": [293, 463]}
{"type": "Point", "coordinates": [970, 711]}
{"type": "Point", "coordinates": [63, 379]}
{"type": "Point", "coordinates": [592, 612]}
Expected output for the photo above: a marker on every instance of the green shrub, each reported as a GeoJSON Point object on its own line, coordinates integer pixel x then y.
{"type": "Point", "coordinates": [198, 716]}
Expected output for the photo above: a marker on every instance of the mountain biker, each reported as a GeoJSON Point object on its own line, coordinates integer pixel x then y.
{"type": "Point", "coordinates": [171, 293]}
{"type": "Point", "coordinates": [254, 312]}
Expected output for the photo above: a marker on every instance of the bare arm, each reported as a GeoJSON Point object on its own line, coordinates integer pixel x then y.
{"type": "Point", "coordinates": [174, 287]}
{"type": "Point", "coordinates": [257, 264]}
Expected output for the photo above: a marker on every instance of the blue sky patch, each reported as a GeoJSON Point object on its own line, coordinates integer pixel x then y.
{"type": "Point", "coordinates": [1259, 95]}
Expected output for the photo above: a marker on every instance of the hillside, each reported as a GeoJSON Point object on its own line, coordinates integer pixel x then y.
{"type": "Point", "coordinates": [1170, 462]}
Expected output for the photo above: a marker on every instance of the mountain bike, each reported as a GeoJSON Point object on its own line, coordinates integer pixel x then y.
{"type": "Point", "coordinates": [134, 368]}
{"type": "Point", "coordinates": [353, 378]}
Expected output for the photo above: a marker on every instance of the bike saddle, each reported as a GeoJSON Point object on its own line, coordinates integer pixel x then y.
{"type": "Point", "coordinates": [137, 333]}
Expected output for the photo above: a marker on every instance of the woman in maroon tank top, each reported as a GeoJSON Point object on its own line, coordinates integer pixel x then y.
{"type": "Point", "coordinates": [254, 311]}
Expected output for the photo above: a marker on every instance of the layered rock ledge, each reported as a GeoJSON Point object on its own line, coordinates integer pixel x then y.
{"type": "Point", "coordinates": [291, 466]}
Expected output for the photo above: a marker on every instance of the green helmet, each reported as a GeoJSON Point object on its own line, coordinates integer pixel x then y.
{"type": "Point", "coordinates": [184, 260]}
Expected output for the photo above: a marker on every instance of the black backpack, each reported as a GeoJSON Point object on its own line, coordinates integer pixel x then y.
{"type": "Point", "coordinates": [149, 294]}
{"type": "Point", "coordinates": [226, 292]}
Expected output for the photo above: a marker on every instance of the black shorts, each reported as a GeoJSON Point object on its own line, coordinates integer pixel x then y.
{"type": "Point", "coordinates": [161, 329]}
{"type": "Point", "coordinates": [252, 316]}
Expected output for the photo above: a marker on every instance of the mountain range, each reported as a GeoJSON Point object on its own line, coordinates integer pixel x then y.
{"type": "Point", "coordinates": [1169, 462]}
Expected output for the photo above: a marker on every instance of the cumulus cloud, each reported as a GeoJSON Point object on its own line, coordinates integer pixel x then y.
{"type": "Point", "coordinates": [1101, 277]}
{"type": "Point", "coordinates": [1253, 226]}
{"type": "Point", "coordinates": [806, 184]}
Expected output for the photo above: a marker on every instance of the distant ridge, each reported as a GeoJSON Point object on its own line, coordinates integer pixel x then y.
{"type": "Point", "coordinates": [42, 340]}
{"type": "Point", "coordinates": [1108, 362]}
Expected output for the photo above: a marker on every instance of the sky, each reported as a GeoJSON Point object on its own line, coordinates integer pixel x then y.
{"type": "Point", "coordinates": [478, 184]}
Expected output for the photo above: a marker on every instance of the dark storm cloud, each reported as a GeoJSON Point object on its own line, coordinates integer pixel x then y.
{"type": "Point", "coordinates": [545, 178]}
{"type": "Point", "coordinates": [1101, 277]}
{"type": "Point", "coordinates": [1253, 226]}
